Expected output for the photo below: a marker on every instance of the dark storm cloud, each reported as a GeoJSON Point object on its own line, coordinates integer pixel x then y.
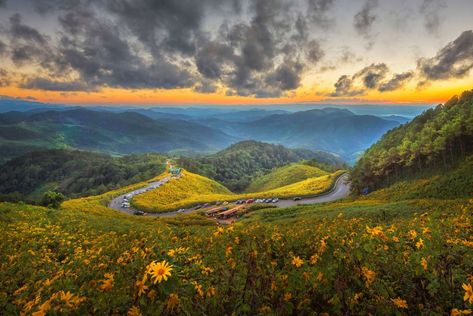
{"type": "Point", "coordinates": [4, 81]}
{"type": "Point", "coordinates": [344, 87]}
{"type": "Point", "coordinates": [430, 10]}
{"type": "Point", "coordinates": [164, 44]}
{"type": "Point", "coordinates": [174, 25]}
{"type": "Point", "coordinates": [20, 31]}
{"type": "Point", "coordinates": [455, 60]}
{"type": "Point", "coordinates": [205, 86]}
{"type": "Point", "coordinates": [3, 3]}
{"type": "Point", "coordinates": [317, 11]}
{"type": "Point", "coordinates": [3, 48]}
{"type": "Point", "coordinates": [314, 52]}
{"type": "Point", "coordinates": [364, 19]}
{"type": "Point", "coordinates": [396, 82]}
{"type": "Point", "coordinates": [46, 84]}
{"type": "Point", "coordinates": [372, 77]}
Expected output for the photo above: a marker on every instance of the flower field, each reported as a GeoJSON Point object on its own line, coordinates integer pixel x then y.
{"type": "Point", "coordinates": [192, 189]}
{"type": "Point", "coordinates": [352, 257]}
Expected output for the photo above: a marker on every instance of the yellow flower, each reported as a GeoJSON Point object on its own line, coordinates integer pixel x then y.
{"type": "Point", "coordinates": [457, 312]}
{"type": "Point", "coordinates": [400, 303]}
{"type": "Point", "coordinates": [468, 293]}
{"type": "Point", "coordinates": [211, 291]}
{"type": "Point", "coordinates": [420, 243]}
{"type": "Point", "coordinates": [198, 288]}
{"type": "Point", "coordinates": [368, 275]}
{"type": "Point", "coordinates": [171, 253]}
{"type": "Point", "coordinates": [375, 231]}
{"type": "Point", "coordinates": [314, 259]}
{"type": "Point", "coordinates": [297, 261]}
{"type": "Point", "coordinates": [134, 311]}
{"type": "Point", "coordinates": [207, 270]}
{"type": "Point", "coordinates": [228, 251]}
{"type": "Point", "coordinates": [423, 262]}
{"type": "Point", "coordinates": [159, 271]}
{"type": "Point", "coordinates": [172, 302]}
{"type": "Point", "coordinates": [412, 234]}
{"type": "Point", "coordinates": [219, 231]}
{"type": "Point", "coordinates": [323, 245]}
{"type": "Point", "coordinates": [140, 285]}
{"type": "Point", "coordinates": [287, 296]}
{"type": "Point", "coordinates": [264, 310]}
{"type": "Point", "coordinates": [107, 284]}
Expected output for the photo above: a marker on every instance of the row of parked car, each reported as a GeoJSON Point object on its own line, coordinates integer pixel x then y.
{"type": "Point", "coordinates": [249, 201]}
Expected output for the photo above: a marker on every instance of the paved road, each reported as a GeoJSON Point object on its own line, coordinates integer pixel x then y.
{"type": "Point", "coordinates": [340, 190]}
{"type": "Point", "coordinates": [116, 203]}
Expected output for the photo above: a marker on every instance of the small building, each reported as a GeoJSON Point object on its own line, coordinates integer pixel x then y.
{"type": "Point", "coordinates": [231, 212]}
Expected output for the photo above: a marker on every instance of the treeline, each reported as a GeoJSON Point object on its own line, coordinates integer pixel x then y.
{"type": "Point", "coordinates": [236, 166]}
{"type": "Point", "coordinates": [73, 173]}
{"type": "Point", "coordinates": [438, 138]}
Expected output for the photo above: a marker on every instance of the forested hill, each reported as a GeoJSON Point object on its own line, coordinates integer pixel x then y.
{"type": "Point", "coordinates": [73, 173]}
{"type": "Point", "coordinates": [237, 165]}
{"type": "Point", "coordinates": [438, 138]}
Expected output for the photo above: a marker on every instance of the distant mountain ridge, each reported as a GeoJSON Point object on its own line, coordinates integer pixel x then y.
{"type": "Point", "coordinates": [122, 130]}
{"type": "Point", "coordinates": [122, 133]}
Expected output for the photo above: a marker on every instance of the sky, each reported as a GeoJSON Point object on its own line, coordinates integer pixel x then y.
{"type": "Point", "coordinates": [233, 52]}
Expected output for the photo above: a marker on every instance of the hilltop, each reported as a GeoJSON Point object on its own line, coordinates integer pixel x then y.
{"type": "Point", "coordinates": [283, 176]}
{"type": "Point", "coordinates": [239, 164]}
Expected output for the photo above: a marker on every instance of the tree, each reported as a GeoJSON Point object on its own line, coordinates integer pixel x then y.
{"type": "Point", "coordinates": [52, 199]}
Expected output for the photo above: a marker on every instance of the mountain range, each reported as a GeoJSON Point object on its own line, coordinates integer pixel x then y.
{"type": "Point", "coordinates": [189, 131]}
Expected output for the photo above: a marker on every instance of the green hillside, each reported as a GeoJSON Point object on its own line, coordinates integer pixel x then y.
{"type": "Point", "coordinates": [236, 166]}
{"type": "Point", "coordinates": [283, 176]}
{"type": "Point", "coordinates": [438, 139]}
{"type": "Point", "coordinates": [73, 173]}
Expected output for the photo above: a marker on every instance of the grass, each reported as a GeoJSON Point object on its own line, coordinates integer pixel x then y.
{"type": "Point", "coordinates": [283, 176]}
{"type": "Point", "coordinates": [192, 189]}
{"type": "Point", "coordinates": [351, 257]}
{"type": "Point", "coordinates": [456, 182]}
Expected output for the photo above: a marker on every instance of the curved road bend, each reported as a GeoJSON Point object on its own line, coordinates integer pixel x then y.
{"type": "Point", "coordinates": [339, 191]}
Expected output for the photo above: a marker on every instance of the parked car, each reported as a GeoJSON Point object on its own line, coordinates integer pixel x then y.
{"type": "Point", "coordinates": [275, 200]}
{"type": "Point", "coordinates": [182, 210]}
{"type": "Point", "coordinates": [297, 198]}
{"type": "Point", "coordinates": [249, 201]}
{"type": "Point", "coordinates": [206, 205]}
{"type": "Point", "coordinates": [139, 213]}
{"type": "Point", "coordinates": [225, 203]}
{"type": "Point", "coordinates": [218, 203]}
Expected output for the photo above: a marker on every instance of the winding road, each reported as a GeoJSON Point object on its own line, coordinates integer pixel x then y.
{"type": "Point", "coordinates": [340, 190]}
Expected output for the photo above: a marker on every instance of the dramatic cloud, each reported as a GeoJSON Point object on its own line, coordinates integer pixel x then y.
{"type": "Point", "coordinates": [430, 9]}
{"type": "Point", "coordinates": [317, 12]}
{"type": "Point", "coordinates": [453, 61]}
{"type": "Point", "coordinates": [344, 87]}
{"type": "Point", "coordinates": [372, 77]}
{"type": "Point", "coordinates": [4, 81]}
{"type": "Point", "coordinates": [165, 44]}
{"type": "Point", "coordinates": [46, 84]}
{"type": "Point", "coordinates": [396, 82]}
{"type": "Point", "coordinates": [364, 19]}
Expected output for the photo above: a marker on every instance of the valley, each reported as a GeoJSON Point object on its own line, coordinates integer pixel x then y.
{"type": "Point", "coordinates": [385, 236]}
